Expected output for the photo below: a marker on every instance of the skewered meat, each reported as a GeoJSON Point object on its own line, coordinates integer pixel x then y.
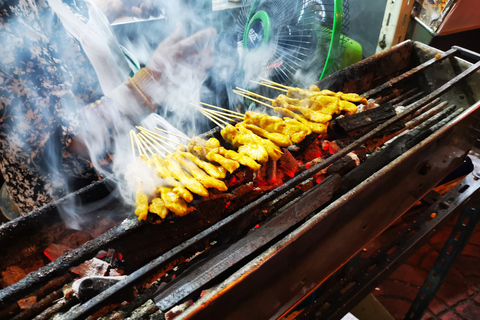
{"type": "Point", "coordinates": [287, 126]}
{"type": "Point", "coordinates": [199, 174]}
{"type": "Point", "coordinates": [141, 203]}
{"type": "Point", "coordinates": [314, 126]}
{"type": "Point", "coordinates": [233, 136]}
{"type": "Point", "coordinates": [294, 105]}
{"type": "Point", "coordinates": [164, 173]}
{"type": "Point", "coordinates": [230, 165]}
{"type": "Point", "coordinates": [190, 183]}
{"type": "Point", "coordinates": [173, 202]}
{"type": "Point", "coordinates": [158, 207]}
{"type": "Point", "coordinates": [279, 139]}
{"type": "Point", "coordinates": [240, 158]}
{"type": "Point", "coordinates": [274, 152]}
{"type": "Point", "coordinates": [208, 167]}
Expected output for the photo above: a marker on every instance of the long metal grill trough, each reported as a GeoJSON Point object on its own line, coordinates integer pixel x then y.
{"type": "Point", "coordinates": [264, 257]}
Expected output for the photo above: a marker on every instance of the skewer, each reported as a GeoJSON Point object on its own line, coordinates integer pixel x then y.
{"type": "Point", "coordinates": [157, 141]}
{"type": "Point", "coordinates": [275, 83]}
{"type": "Point", "coordinates": [253, 99]}
{"type": "Point", "coordinates": [173, 134]}
{"type": "Point", "coordinates": [155, 144]}
{"type": "Point", "coordinates": [132, 134]}
{"type": "Point", "coordinates": [212, 118]}
{"type": "Point", "coordinates": [255, 95]}
{"type": "Point", "coordinates": [155, 134]}
{"type": "Point", "coordinates": [224, 113]}
{"type": "Point", "coordinates": [144, 143]}
{"type": "Point", "coordinates": [267, 85]}
{"type": "Point", "coordinates": [141, 151]}
{"type": "Point", "coordinates": [223, 109]}
{"type": "Point", "coordinates": [213, 112]}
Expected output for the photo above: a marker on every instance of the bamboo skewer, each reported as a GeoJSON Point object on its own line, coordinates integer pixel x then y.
{"type": "Point", "coordinates": [156, 143]}
{"type": "Point", "coordinates": [219, 115]}
{"type": "Point", "coordinates": [255, 94]}
{"type": "Point", "coordinates": [253, 99]}
{"type": "Point", "coordinates": [143, 140]}
{"type": "Point", "coordinates": [275, 83]}
{"type": "Point", "coordinates": [173, 134]}
{"type": "Point", "coordinates": [157, 136]}
{"type": "Point", "coordinates": [224, 113]}
{"type": "Point", "coordinates": [269, 86]}
{"type": "Point", "coordinates": [223, 109]}
{"type": "Point", "coordinates": [132, 134]}
{"type": "Point", "coordinates": [141, 151]}
{"type": "Point", "coordinates": [212, 117]}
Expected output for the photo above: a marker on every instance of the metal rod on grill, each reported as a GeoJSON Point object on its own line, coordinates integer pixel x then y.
{"type": "Point", "coordinates": [85, 309]}
{"type": "Point", "coordinates": [409, 73]}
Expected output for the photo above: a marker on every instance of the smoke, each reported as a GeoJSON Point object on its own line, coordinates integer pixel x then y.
{"type": "Point", "coordinates": [188, 77]}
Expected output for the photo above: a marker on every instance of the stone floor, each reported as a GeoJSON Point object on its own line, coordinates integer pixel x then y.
{"type": "Point", "coordinates": [459, 295]}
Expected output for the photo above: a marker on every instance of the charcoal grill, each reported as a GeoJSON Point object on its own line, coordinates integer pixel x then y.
{"type": "Point", "coordinates": [261, 270]}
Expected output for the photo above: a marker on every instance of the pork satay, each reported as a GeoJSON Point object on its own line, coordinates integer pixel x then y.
{"type": "Point", "coordinates": [279, 139]}
{"type": "Point", "coordinates": [324, 104]}
{"type": "Point", "coordinates": [296, 130]}
{"type": "Point", "coordinates": [287, 126]}
{"type": "Point", "coordinates": [274, 152]}
{"type": "Point", "coordinates": [264, 121]}
{"type": "Point", "coordinates": [189, 183]}
{"type": "Point", "coordinates": [172, 201]}
{"type": "Point", "coordinates": [255, 150]}
{"type": "Point", "coordinates": [348, 106]}
{"type": "Point", "coordinates": [212, 143]}
{"type": "Point", "coordinates": [240, 158]}
{"type": "Point", "coordinates": [141, 203]}
{"type": "Point", "coordinates": [209, 168]}
{"type": "Point", "coordinates": [229, 165]}
{"type": "Point", "coordinates": [199, 174]}
{"type": "Point", "coordinates": [167, 175]}
{"type": "Point", "coordinates": [314, 126]}
{"type": "Point", "coordinates": [158, 207]}
{"type": "Point", "coordinates": [353, 97]}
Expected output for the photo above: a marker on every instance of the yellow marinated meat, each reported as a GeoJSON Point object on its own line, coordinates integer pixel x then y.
{"type": "Point", "coordinates": [264, 121]}
{"type": "Point", "coordinates": [353, 97]}
{"type": "Point", "coordinates": [240, 158]}
{"type": "Point", "coordinates": [287, 126]}
{"type": "Point", "coordinates": [314, 126]}
{"type": "Point", "coordinates": [296, 130]}
{"type": "Point", "coordinates": [209, 168]}
{"type": "Point", "coordinates": [199, 174]}
{"type": "Point", "coordinates": [310, 114]}
{"type": "Point", "coordinates": [230, 165]}
{"type": "Point", "coordinates": [314, 88]}
{"type": "Point", "coordinates": [273, 151]}
{"type": "Point", "coordinates": [172, 201]}
{"type": "Point", "coordinates": [233, 136]}
{"type": "Point", "coordinates": [282, 101]}
{"type": "Point", "coordinates": [279, 139]}
{"type": "Point", "coordinates": [189, 183]}
{"type": "Point", "coordinates": [323, 104]}
{"type": "Point", "coordinates": [299, 93]}
{"type": "Point", "coordinates": [164, 173]}
{"type": "Point", "coordinates": [212, 143]}
{"type": "Point", "coordinates": [348, 106]}
{"type": "Point", "coordinates": [141, 202]}
{"type": "Point", "coordinates": [158, 207]}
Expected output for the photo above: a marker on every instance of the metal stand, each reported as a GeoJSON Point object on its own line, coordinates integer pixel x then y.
{"type": "Point", "coordinates": [360, 275]}
{"type": "Point", "coordinates": [459, 237]}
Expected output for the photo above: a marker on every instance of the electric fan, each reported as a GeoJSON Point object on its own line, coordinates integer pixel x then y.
{"type": "Point", "coordinates": [294, 42]}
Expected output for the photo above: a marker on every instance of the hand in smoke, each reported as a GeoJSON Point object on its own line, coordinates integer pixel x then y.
{"type": "Point", "coordinates": [194, 52]}
{"type": "Point", "coordinates": [130, 8]}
